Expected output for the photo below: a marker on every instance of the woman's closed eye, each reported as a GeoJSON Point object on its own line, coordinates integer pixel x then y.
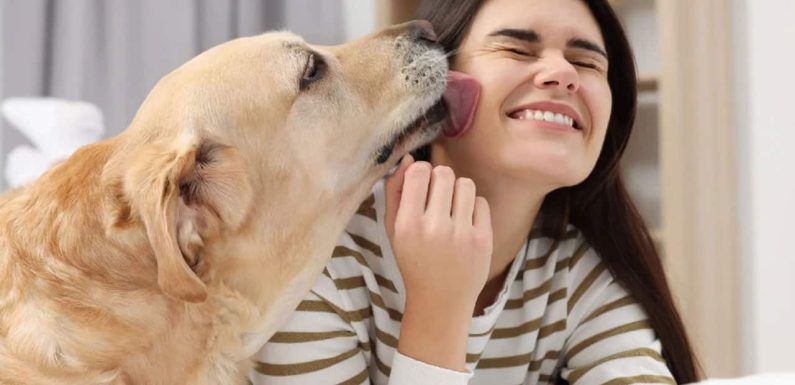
{"type": "Point", "coordinates": [584, 64]}
{"type": "Point", "coordinates": [516, 52]}
{"type": "Point", "coordinates": [586, 61]}
{"type": "Point", "coordinates": [532, 54]}
{"type": "Point", "coordinates": [525, 54]}
{"type": "Point", "coordinates": [520, 52]}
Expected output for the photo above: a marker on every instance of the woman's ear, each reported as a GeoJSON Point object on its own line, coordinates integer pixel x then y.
{"type": "Point", "coordinates": [181, 195]}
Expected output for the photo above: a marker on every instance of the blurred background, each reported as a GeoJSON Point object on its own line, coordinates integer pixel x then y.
{"type": "Point", "coordinates": [711, 163]}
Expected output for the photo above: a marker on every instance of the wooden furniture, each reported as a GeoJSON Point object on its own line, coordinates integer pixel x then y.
{"type": "Point", "coordinates": [699, 175]}
{"type": "Point", "coordinates": [395, 11]}
{"type": "Point", "coordinates": [685, 121]}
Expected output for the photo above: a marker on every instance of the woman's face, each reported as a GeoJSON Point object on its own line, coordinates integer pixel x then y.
{"type": "Point", "coordinates": [545, 102]}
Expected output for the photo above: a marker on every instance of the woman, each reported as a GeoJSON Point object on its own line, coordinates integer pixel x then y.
{"type": "Point", "coordinates": [549, 275]}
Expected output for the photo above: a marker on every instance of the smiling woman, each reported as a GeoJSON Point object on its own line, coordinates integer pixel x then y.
{"type": "Point", "coordinates": [522, 49]}
{"type": "Point", "coordinates": [511, 251]}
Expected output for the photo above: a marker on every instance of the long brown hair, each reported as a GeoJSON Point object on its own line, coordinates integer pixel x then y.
{"type": "Point", "coordinates": [600, 207]}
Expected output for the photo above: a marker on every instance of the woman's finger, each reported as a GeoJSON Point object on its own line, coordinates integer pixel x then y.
{"type": "Point", "coordinates": [440, 198]}
{"type": "Point", "coordinates": [393, 189]}
{"type": "Point", "coordinates": [415, 190]}
{"type": "Point", "coordinates": [464, 201]}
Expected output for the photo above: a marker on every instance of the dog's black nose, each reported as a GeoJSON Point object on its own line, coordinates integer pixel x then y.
{"type": "Point", "coordinates": [422, 30]}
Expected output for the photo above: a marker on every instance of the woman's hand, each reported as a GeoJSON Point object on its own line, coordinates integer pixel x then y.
{"type": "Point", "coordinates": [440, 233]}
{"type": "Point", "coordinates": [442, 238]}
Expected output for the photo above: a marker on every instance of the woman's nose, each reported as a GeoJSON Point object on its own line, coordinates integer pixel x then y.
{"type": "Point", "coordinates": [557, 73]}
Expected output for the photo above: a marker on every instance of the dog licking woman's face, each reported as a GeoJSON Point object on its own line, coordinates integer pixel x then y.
{"type": "Point", "coordinates": [545, 100]}
{"type": "Point", "coordinates": [336, 115]}
{"type": "Point", "coordinates": [283, 131]}
{"type": "Point", "coordinates": [228, 190]}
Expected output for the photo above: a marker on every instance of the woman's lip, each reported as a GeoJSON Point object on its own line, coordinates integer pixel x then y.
{"type": "Point", "coordinates": [559, 108]}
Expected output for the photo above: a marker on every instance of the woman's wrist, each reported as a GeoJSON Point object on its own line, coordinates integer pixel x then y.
{"type": "Point", "coordinates": [444, 304]}
{"type": "Point", "coordinates": [436, 335]}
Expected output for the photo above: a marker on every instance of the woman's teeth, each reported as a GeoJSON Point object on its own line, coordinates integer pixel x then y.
{"type": "Point", "coordinates": [545, 116]}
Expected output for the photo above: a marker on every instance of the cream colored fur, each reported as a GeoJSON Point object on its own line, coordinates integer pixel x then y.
{"type": "Point", "coordinates": [169, 253]}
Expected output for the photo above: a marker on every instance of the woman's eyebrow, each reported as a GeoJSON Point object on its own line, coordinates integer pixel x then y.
{"type": "Point", "coordinates": [530, 36]}
{"type": "Point", "coordinates": [586, 44]}
{"type": "Point", "coordinates": [526, 35]}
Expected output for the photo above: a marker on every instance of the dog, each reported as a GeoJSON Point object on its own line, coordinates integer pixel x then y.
{"type": "Point", "coordinates": [170, 253]}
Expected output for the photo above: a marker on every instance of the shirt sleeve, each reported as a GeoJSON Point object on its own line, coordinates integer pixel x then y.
{"type": "Point", "coordinates": [406, 371]}
{"type": "Point", "coordinates": [319, 345]}
{"type": "Point", "coordinates": [610, 340]}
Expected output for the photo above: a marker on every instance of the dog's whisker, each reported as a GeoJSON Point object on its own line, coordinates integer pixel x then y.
{"type": "Point", "coordinates": [451, 52]}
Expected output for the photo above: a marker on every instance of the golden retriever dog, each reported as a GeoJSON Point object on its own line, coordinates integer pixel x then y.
{"type": "Point", "coordinates": [170, 253]}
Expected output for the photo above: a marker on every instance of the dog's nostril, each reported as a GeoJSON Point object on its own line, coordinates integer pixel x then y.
{"type": "Point", "coordinates": [422, 30]}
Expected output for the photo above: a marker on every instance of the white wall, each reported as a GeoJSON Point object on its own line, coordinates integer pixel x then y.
{"type": "Point", "coordinates": [765, 105]}
{"type": "Point", "coordinates": [640, 22]}
{"type": "Point", "coordinates": [2, 96]}
{"type": "Point", "coordinates": [359, 17]}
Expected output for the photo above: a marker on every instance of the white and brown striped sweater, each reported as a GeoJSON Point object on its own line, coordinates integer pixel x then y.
{"type": "Point", "coordinates": [560, 315]}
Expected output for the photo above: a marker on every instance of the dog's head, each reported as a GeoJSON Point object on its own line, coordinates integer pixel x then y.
{"type": "Point", "coordinates": [272, 126]}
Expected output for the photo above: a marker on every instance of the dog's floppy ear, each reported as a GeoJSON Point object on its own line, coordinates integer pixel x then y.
{"type": "Point", "coordinates": [182, 194]}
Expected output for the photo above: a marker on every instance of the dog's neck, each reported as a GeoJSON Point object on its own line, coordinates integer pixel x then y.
{"type": "Point", "coordinates": [287, 243]}
{"type": "Point", "coordinates": [295, 247]}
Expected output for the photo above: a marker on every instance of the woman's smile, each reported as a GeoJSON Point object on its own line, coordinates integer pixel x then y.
{"type": "Point", "coordinates": [545, 100]}
{"type": "Point", "coordinates": [548, 115]}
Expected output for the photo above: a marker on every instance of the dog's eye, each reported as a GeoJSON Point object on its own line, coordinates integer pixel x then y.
{"type": "Point", "coordinates": [315, 67]}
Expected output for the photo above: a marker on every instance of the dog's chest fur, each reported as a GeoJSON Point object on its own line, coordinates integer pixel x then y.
{"type": "Point", "coordinates": [240, 328]}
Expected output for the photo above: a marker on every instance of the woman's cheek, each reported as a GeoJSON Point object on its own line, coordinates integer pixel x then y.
{"type": "Point", "coordinates": [607, 97]}
{"type": "Point", "coordinates": [600, 103]}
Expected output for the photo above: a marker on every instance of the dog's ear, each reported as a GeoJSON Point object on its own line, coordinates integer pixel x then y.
{"type": "Point", "coordinates": [183, 195]}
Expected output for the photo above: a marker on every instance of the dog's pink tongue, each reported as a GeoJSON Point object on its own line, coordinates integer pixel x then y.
{"type": "Point", "coordinates": [461, 95]}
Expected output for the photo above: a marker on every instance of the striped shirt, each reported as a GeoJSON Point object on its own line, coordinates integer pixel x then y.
{"type": "Point", "coordinates": [560, 315]}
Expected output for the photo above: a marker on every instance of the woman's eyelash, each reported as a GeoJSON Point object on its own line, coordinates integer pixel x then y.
{"type": "Point", "coordinates": [583, 64]}
{"type": "Point", "coordinates": [530, 54]}
{"type": "Point", "coordinates": [518, 52]}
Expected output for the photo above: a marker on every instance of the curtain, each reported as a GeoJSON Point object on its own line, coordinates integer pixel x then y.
{"type": "Point", "coordinates": [112, 52]}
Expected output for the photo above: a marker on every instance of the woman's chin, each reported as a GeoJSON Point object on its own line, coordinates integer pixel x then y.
{"type": "Point", "coordinates": [550, 171]}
